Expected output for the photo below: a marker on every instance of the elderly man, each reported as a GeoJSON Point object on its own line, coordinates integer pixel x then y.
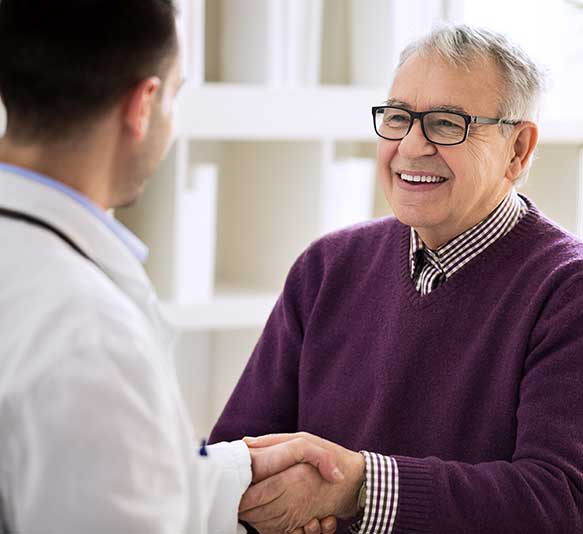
{"type": "Point", "coordinates": [445, 345]}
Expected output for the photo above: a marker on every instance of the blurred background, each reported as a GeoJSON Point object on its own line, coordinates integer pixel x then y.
{"type": "Point", "coordinates": [275, 147]}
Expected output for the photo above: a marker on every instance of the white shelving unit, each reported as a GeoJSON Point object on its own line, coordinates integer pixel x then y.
{"type": "Point", "coordinates": [273, 145]}
{"type": "Point", "coordinates": [2, 119]}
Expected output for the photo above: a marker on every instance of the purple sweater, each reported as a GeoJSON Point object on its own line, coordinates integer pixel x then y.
{"type": "Point", "coordinates": [475, 389]}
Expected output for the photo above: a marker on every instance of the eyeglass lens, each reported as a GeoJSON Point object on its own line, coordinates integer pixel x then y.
{"type": "Point", "coordinates": [440, 126]}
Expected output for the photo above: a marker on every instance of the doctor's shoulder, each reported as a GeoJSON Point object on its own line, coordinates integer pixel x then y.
{"type": "Point", "coordinates": [59, 312]}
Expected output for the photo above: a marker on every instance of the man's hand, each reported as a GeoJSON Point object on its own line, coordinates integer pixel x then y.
{"type": "Point", "coordinates": [275, 454]}
{"type": "Point", "coordinates": [326, 526]}
{"type": "Point", "coordinates": [290, 499]}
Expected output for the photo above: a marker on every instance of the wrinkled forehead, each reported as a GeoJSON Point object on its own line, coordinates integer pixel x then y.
{"type": "Point", "coordinates": [427, 81]}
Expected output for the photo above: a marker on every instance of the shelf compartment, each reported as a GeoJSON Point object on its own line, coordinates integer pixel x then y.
{"type": "Point", "coordinates": [346, 149]}
{"type": "Point", "coordinates": [208, 365]}
{"type": "Point", "coordinates": [266, 214]}
{"type": "Point", "coordinates": [268, 210]}
{"type": "Point", "coordinates": [245, 112]}
{"type": "Point", "coordinates": [555, 184]}
{"type": "Point", "coordinates": [229, 309]}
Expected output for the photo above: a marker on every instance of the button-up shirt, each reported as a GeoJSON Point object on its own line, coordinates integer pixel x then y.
{"type": "Point", "coordinates": [432, 268]}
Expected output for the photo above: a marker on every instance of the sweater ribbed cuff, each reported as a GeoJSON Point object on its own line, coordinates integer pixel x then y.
{"type": "Point", "coordinates": [415, 496]}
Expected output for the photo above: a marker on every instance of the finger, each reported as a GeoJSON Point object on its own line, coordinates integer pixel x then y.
{"type": "Point", "coordinates": [313, 527]}
{"type": "Point", "coordinates": [276, 526]}
{"type": "Point", "coordinates": [328, 525]}
{"type": "Point", "coordinates": [292, 494]}
{"type": "Point", "coordinates": [267, 513]}
{"type": "Point", "coordinates": [263, 493]}
{"type": "Point", "coordinates": [273, 526]}
{"type": "Point", "coordinates": [273, 439]}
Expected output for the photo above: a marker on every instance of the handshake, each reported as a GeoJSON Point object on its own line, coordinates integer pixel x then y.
{"type": "Point", "coordinates": [301, 483]}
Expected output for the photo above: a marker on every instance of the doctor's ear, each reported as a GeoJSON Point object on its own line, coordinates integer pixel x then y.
{"type": "Point", "coordinates": [139, 105]}
{"type": "Point", "coordinates": [525, 138]}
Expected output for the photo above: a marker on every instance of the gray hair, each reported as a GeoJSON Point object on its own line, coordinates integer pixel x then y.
{"type": "Point", "coordinates": [460, 45]}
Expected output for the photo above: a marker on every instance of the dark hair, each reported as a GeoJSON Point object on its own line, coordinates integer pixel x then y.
{"type": "Point", "coordinates": [63, 63]}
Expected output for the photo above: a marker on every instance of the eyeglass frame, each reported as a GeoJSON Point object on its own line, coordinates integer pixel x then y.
{"type": "Point", "coordinates": [420, 115]}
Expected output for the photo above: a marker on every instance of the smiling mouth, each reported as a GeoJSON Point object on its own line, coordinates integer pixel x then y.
{"type": "Point", "coordinates": [424, 179]}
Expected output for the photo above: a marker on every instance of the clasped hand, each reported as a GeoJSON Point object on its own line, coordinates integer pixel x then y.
{"type": "Point", "coordinates": [301, 483]}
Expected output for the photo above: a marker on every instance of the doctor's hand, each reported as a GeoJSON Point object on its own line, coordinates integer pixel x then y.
{"type": "Point", "coordinates": [325, 526]}
{"type": "Point", "coordinates": [291, 499]}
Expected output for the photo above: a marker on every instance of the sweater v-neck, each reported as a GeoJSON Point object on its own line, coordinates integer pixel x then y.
{"type": "Point", "coordinates": [500, 248]}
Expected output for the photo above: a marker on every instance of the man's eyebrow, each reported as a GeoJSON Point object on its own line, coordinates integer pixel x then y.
{"type": "Point", "coordinates": [442, 107]}
{"type": "Point", "coordinates": [449, 107]}
{"type": "Point", "coordinates": [395, 102]}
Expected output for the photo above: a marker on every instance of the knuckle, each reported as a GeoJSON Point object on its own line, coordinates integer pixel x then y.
{"type": "Point", "coordinates": [313, 527]}
{"type": "Point", "coordinates": [326, 454]}
{"type": "Point", "coordinates": [302, 472]}
{"type": "Point", "coordinates": [302, 442]}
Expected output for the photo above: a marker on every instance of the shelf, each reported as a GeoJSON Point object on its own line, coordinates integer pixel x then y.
{"type": "Point", "coordinates": [336, 112]}
{"type": "Point", "coordinates": [226, 111]}
{"type": "Point", "coordinates": [2, 119]}
{"type": "Point", "coordinates": [561, 131]}
{"type": "Point", "coordinates": [228, 310]}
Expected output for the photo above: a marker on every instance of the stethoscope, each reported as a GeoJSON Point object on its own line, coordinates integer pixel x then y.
{"type": "Point", "coordinates": [25, 217]}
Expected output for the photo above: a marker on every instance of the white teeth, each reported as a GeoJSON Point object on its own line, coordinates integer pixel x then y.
{"type": "Point", "coordinates": [425, 179]}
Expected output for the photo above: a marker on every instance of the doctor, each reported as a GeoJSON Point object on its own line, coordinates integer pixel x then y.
{"type": "Point", "coordinates": [94, 435]}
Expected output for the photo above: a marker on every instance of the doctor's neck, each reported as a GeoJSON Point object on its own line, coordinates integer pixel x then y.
{"type": "Point", "coordinates": [86, 164]}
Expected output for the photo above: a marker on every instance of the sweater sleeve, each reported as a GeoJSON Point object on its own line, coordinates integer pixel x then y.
{"type": "Point", "coordinates": [541, 489]}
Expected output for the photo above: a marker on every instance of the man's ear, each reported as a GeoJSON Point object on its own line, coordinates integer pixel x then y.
{"type": "Point", "coordinates": [524, 138]}
{"type": "Point", "coordinates": [139, 105]}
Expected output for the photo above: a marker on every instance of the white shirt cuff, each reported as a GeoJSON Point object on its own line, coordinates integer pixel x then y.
{"type": "Point", "coordinates": [235, 461]}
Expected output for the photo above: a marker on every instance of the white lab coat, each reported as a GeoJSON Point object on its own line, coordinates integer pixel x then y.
{"type": "Point", "coordinates": [94, 435]}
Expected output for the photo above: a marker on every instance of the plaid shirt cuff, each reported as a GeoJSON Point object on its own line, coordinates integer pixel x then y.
{"type": "Point", "coordinates": [382, 495]}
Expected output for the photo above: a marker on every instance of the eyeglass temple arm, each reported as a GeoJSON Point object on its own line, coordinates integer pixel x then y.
{"type": "Point", "coordinates": [484, 120]}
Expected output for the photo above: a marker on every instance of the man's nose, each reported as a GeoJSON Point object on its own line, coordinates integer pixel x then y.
{"type": "Point", "coordinates": [415, 144]}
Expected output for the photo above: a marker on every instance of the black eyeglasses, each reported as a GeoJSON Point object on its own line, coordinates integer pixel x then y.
{"type": "Point", "coordinates": [439, 127]}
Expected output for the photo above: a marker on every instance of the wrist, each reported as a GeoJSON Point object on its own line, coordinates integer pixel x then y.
{"type": "Point", "coordinates": [354, 479]}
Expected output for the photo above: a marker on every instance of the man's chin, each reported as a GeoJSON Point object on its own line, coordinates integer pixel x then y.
{"type": "Point", "coordinates": [415, 217]}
